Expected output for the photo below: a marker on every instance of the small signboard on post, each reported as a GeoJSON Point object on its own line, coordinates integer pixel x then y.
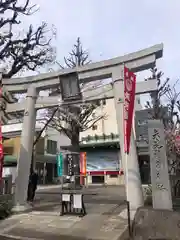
{"type": "Point", "coordinates": [70, 165]}
{"type": "Point", "coordinates": [70, 89]}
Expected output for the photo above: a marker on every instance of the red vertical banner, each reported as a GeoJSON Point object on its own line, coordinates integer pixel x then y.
{"type": "Point", "coordinates": [83, 169]}
{"type": "Point", "coordinates": [129, 97]}
{"type": "Point", "coordinates": [83, 163]}
{"type": "Point", "coordinates": [1, 144]}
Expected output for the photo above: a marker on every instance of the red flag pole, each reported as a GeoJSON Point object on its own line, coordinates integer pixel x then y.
{"type": "Point", "coordinates": [125, 136]}
{"type": "Point", "coordinates": [129, 97]}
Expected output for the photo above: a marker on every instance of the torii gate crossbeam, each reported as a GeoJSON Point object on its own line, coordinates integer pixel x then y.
{"type": "Point", "coordinates": [137, 61]}
{"type": "Point", "coordinates": [103, 92]}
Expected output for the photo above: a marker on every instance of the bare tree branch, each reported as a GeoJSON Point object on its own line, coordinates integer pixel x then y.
{"type": "Point", "coordinates": [22, 51]}
{"type": "Point", "coordinates": [77, 57]}
{"type": "Point", "coordinates": [92, 122]}
{"type": "Point", "coordinates": [45, 126]}
{"type": "Point", "coordinates": [63, 121]}
{"type": "Point", "coordinates": [165, 105]}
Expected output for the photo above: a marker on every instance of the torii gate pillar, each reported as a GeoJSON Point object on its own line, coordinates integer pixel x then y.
{"type": "Point", "coordinates": [26, 150]}
{"type": "Point", "coordinates": [133, 184]}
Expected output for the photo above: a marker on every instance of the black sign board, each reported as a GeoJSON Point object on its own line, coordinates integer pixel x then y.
{"type": "Point", "coordinates": [70, 165]}
{"type": "Point", "coordinates": [70, 89]}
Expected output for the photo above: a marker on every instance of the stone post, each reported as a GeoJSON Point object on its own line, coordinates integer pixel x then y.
{"type": "Point", "coordinates": [27, 138]}
{"type": "Point", "coordinates": [161, 190]}
{"type": "Point", "coordinates": [130, 164]}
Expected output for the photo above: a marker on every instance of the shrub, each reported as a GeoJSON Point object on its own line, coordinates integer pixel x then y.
{"type": "Point", "coordinates": [6, 204]}
{"type": "Point", "coordinates": [148, 195]}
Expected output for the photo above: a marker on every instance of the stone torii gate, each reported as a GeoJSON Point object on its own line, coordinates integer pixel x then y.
{"type": "Point", "coordinates": [69, 80]}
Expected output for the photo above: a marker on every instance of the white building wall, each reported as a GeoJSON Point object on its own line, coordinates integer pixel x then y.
{"type": "Point", "coordinates": [15, 127]}
{"type": "Point", "coordinates": [60, 138]}
{"type": "Point", "coordinates": [108, 125]}
{"type": "Point", "coordinates": [104, 126]}
{"type": "Point", "coordinates": [49, 133]}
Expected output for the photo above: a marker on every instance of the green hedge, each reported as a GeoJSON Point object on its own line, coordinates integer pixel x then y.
{"type": "Point", "coordinates": [6, 204]}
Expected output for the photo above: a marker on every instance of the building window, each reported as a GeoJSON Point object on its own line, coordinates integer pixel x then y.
{"type": "Point", "coordinates": [51, 146]}
{"type": "Point", "coordinates": [8, 150]}
{"type": "Point", "coordinates": [139, 102]}
{"type": "Point", "coordinates": [104, 102]}
{"type": "Point", "coordinates": [94, 127]}
{"type": "Point", "coordinates": [98, 103]}
{"type": "Point", "coordinates": [113, 176]}
{"type": "Point", "coordinates": [142, 122]}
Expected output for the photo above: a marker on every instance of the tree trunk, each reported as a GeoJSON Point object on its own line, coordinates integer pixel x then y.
{"type": "Point", "coordinates": [76, 158]}
{"type": "Point", "coordinates": [32, 163]}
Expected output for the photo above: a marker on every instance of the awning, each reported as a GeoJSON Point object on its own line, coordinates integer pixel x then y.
{"type": "Point", "coordinates": [39, 158]}
{"type": "Point", "coordinates": [48, 158]}
{"type": "Point", "coordinates": [10, 159]}
{"type": "Point", "coordinates": [92, 145]}
{"type": "Point", "coordinates": [5, 138]}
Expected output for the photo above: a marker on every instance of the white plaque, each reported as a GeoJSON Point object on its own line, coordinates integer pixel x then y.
{"type": "Point", "coordinates": [77, 201]}
{"type": "Point", "coordinates": [161, 190]}
{"type": "Point", "coordinates": [66, 197]}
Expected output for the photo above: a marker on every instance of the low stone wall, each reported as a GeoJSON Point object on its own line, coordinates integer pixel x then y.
{"type": "Point", "coordinates": [156, 224]}
{"type": "Point", "coordinates": [119, 180]}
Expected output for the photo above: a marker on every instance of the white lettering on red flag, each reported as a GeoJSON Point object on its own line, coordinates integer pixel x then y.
{"type": "Point", "coordinates": [129, 97]}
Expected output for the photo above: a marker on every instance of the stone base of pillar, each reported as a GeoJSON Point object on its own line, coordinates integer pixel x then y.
{"type": "Point", "coordinates": [21, 208]}
{"type": "Point", "coordinates": [124, 214]}
{"type": "Point", "coordinates": [122, 180]}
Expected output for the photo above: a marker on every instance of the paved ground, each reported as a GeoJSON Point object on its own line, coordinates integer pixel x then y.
{"type": "Point", "coordinates": [103, 205]}
{"type": "Point", "coordinates": [113, 193]}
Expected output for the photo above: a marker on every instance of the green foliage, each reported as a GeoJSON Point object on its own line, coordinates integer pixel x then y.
{"type": "Point", "coordinates": [6, 204]}
{"type": "Point", "coordinates": [148, 190]}
{"type": "Point", "coordinates": [148, 195]}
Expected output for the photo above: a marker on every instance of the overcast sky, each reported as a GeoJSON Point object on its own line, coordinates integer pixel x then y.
{"type": "Point", "coordinates": [110, 28]}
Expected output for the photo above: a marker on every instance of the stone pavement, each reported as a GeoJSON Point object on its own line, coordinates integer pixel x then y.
{"type": "Point", "coordinates": [102, 223]}
{"type": "Point", "coordinates": [92, 193]}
